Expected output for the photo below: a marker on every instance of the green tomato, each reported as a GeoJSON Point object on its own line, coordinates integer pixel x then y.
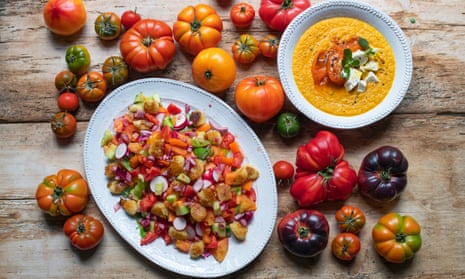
{"type": "Point", "coordinates": [288, 125]}
{"type": "Point", "coordinates": [78, 59]}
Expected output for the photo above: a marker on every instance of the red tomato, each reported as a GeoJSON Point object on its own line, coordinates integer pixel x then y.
{"type": "Point", "coordinates": [68, 101]}
{"type": "Point", "coordinates": [277, 14]}
{"type": "Point", "coordinates": [85, 232]}
{"type": "Point", "coordinates": [283, 170]}
{"type": "Point", "coordinates": [129, 18]}
{"type": "Point", "coordinates": [63, 125]}
{"type": "Point", "coordinates": [259, 98]}
{"type": "Point", "coordinates": [65, 17]}
{"type": "Point", "coordinates": [242, 14]}
{"type": "Point", "coordinates": [148, 45]}
{"type": "Point", "coordinates": [345, 246]}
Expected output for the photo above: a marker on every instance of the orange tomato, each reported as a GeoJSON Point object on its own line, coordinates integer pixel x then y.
{"type": "Point", "coordinates": [63, 193]}
{"type": "Point", "coordinates": [214, 70]}
{"type": "Point", "coordinates": [148, 45]}
{"type": "Point", "coordinates": [85, 232]}
{"type": "Point", "coordinates": [345, 246]}
{"type": "Point", "coordinates": [65, 17]}
{"type": "Point", "coordinates": [259, 98]}
{"type": "Point", "coordinates": [396, 238]}
{"type": "Point", "coordinates": [245, 49]}
{"type": "Point", "coordinates": [197, 28]}
{"type": "Point", "coordinates": [269, 45]}
{"type": "Point", "coordinates": [350, 219]}
{"type": "Point", "coordinates": [92, 87]}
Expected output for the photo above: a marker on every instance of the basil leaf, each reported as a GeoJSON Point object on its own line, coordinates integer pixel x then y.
{"type": "Point", "coordinates": [363, 43]}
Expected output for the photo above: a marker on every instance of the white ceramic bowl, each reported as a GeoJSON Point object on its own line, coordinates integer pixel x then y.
{"type": "Point", "coordinates": [358, 10]}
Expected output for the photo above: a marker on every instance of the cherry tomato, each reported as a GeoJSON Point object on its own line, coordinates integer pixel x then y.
{"type": "Point", "coordinates": [242, 14]}
{"type": "Point", "coordinates": [65, 81]}
{"type": "Point", "coordinates": [92, 87]}
{"type": "Point", "coordinates": [129, 18]}
{"type": "Point", "coordinates": [63, 125]}
{"type": "Point", "coordinates": [68, 101]}
{"type": "Point", "coordinates": [288, 125]}
{"type": "Point", "coordinates": [85, 232]}
{"type": "Point", "coordinates": [283, 170]}
{"type": "Point", "coordinates": [345, 246]}
{"type": "Point", "coordinates": [245, 49]}
{"type": "Point", "coordinates": [108, 26]}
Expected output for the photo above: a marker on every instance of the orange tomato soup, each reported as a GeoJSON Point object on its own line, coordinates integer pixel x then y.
{"type": "Point", "coordinates": [337, 100]}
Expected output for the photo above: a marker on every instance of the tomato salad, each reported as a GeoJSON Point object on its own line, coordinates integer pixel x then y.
{"type": "Point", "coordinates": [181, 176]}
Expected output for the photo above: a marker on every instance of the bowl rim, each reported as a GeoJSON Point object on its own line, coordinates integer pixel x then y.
{"type": "Point", "coordinates": [369, 14]}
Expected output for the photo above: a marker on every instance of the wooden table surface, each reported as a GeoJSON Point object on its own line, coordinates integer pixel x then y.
{"type": "Point", "coordinates": [428, 126]}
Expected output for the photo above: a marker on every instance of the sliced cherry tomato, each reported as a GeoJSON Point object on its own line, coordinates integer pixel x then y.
{"type": "Point", "coordinates": [173, 109]}
{"type": "Point", "coordinates": [345, 246]}
{"type": "Point", "coordinates": [63, 125]}
{"type": "Point", "coordinates": [129, 18]}
{"type": "Point", "coordinates": [68, 101]}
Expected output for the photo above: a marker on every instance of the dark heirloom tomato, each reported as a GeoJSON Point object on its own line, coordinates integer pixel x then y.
{"type": "Point", "coordinates": [397, 238]}
{"type": "Point", "coordinates": [85, 232]}
{"type": "Point", "coordinates": [304, 232]}
{"type": "Point", "coordinates": [383, 174]}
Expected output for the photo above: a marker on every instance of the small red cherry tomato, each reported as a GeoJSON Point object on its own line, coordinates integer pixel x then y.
{"type": "Point", "coordinates": [85, 232]}
{"type": "Point", "coordinates": [129, 18]}
{"type": "Point", "coordinates": [283, 170]}
{"type": "Point", "coordinates": [68, 101]}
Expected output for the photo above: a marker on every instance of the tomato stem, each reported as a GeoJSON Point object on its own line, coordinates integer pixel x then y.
{"type": "Point", "coordinates": [400, 237]}
{"type": "Point", "coordinates": [57, 192]}
{"type": "Point", "coordinates": [287, 4]}
{"type": "Point", "coordinates": [385, 175]}
{"type": "Point", "coordinates": [303, 232]}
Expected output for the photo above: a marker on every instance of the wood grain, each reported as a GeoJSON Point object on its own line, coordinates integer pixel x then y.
{"type": "Point", "coordinates": [428, 126]}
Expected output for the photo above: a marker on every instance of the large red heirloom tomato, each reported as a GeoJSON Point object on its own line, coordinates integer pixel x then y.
{"type": "Point", "coordinates": [197, 28]}
{"type": "Point", "coordinates": [63, 193]}
{"type": "Point", "coordinates": [65, 17]}
{"type": "Point", "coordinates": [148, 45]}
{"type": "Point", "coordinates": [259, 98]}
{"type": "Point", "coordinates": [277, 14]}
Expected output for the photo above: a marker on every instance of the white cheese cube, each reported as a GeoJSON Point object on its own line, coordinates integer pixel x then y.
{"type": "Point", "coordinates": [371, 77]}
{"type": "Point", "coordinates": [370, 66]}
{"type": "Point", "coordinates": [361, 56]}
{"type": "Point", "coordinates": [353, 79]}
{"type": "Point", "coordinates": [362, 86]}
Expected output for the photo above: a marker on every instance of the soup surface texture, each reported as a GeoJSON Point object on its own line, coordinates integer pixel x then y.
{"type": "Point", "coordinates": [333, 99]}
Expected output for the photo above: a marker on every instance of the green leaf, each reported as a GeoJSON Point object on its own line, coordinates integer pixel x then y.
{"type": "Point", "coordinates": [363, 43]}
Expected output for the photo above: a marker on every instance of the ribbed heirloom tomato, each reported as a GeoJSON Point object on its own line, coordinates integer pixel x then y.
{"type": "Point", "coordinates": [277, 14]}
{"type": "Point", "coordinates": [197, 28]}
{"type": "Point", "coordinates": [85, 232]}
{"type": "Point", "coordinates": [350, 219]}
{"type": "Point", "coordinates": [242, 14]}
{"type": "Point", "coordinates": [148, 45]}
{"type": "Point", "coordinates": [214, 70]}
{"type": "Point", "coordinates": [63, 193]}
{"type": "Point", "coordinates": [259, 98]}
{"type": "Point", "coordinates": [65, 17]}
{"type": "Point", "coordinates": [397, 238]}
